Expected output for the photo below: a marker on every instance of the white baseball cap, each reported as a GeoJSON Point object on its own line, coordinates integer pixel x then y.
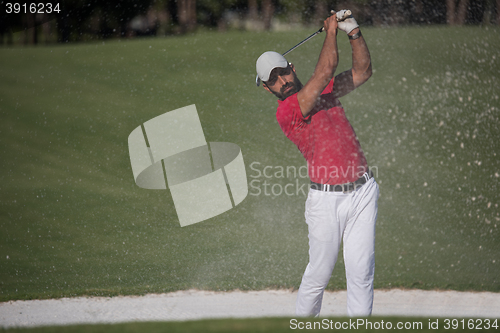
{"type": "Point", "coordinates": [266, 63]}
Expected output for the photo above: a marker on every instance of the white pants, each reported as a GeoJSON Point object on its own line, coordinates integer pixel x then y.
{"type": "Point", "coordinates": [331, 216]}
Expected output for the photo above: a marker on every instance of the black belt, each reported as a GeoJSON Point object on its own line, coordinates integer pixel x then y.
{"type": "Point", "coordinates": [346, 188]}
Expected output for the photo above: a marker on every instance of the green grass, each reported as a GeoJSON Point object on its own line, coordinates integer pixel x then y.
{"type": "Point", "coordinates": [73, 222]}
{"type": "Point", "coordinates": [278, 325]}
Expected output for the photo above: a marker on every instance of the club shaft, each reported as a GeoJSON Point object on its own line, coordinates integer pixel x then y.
{"type": "Point", "coordinates": [305, 40]}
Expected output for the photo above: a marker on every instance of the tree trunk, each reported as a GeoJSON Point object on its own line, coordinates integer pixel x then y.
{"type": "Point", "coordinates": [192, 15]}
{"type": "Point", "coordinates": [498, 12]}
{"type": "Point", "coordinates": [46, 29]}
{"type": "Point", "coordinates": [320, 11]}
{"type": "Point", "coordinates": [267, 13]}
{"type": "Point", "coordinates": [163, 21]}
{"type": "Point", "coordinates": [253, 10]}
{"type": "Point", "coordinates": [450, 12]}
{"type": "Point", "coordinates": [35, 31]}
{"type": "Point", "coordinates": [462, 12]}
{"type": "Point", "coordinates": [186, 11]}
{"type": "Point", "coordinates": [456, 16]}
{"type": "Point", "coordinates": [30, 31]}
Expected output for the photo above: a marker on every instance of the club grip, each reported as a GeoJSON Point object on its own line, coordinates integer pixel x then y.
{"type": "Point", "coordinates": [347, 13]}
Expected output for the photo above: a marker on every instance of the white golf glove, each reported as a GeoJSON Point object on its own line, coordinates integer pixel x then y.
{"type": "Point", "coordinates": [348, 23]}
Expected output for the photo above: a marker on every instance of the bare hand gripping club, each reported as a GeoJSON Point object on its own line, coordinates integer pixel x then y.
{"type": "Point", "coordinates": [347, 13]}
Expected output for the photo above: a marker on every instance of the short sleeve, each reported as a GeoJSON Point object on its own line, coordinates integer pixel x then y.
{"type": "Point", "coordinates": [329, 87]}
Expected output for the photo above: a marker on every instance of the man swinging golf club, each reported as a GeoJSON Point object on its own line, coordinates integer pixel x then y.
{"type": "Point", "coordinates": [342, 201]}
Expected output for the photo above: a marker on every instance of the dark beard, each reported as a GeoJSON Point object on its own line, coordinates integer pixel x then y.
{"type": "Point", "coordinates": [296, 86]}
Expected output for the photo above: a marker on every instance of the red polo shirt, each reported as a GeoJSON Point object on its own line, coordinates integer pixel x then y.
{"type": "Point", "coordinates": [325, 138]}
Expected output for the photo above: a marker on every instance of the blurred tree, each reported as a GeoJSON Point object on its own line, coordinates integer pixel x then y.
{"type": "Point", "coordinates": [46, 23]}
{"type": "Point", "coordinates": [253, 10]}
{"type": "Point", "coordinates": [71, 18]}
{"type": "Point", "coordinates": [428, 12]}
{"type": "Point", "coordinates": [28, 20]}
{"type": "Point", "coordinates": [498, 12]}
{"type": "Point", "coordinates": [476, 12]}
{"type": "Point", "coordinates": [31, 32]}
{"type": "Point", "coordinates": [456, 14]}
{"type": "Point", "coordinates": [391, 12]}
{"type": "Point", "coordinates": [6, 24]}
{"type": "Point", "coordinates": [116, 15]}
{"type": "Point", "coordinates": [380, 12]}
{"type": "Point", "coordinates": [110, 18]}
{"type": "Point", "coordinates": [321, 12]}
{"type": "Point", "coordinates": [161, 7]}
{"type": "Point", "coordinates": [186, 13]}
{"type": "Point", "coordinates": [267, 13]}
{"type": "Point", "coordinates": [295, 11]}
{"type": "Point", "coordinates": [488, 11]}
{"type": "Point", "coordinates": [212, 12]}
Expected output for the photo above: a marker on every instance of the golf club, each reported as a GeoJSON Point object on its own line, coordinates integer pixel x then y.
{"type": "Point", "coordinates": [347, 13]}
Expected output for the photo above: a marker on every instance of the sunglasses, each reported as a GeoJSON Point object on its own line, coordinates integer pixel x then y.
{"type": "Point", "coordinates": [278, 72]}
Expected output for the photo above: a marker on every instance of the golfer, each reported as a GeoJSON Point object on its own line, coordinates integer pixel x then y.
{"type": "Point", "coordinates": [342, 201]}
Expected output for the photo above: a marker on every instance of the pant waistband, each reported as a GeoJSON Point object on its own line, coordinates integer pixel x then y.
{"type": "Point", "coordinates": [346, 188]}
